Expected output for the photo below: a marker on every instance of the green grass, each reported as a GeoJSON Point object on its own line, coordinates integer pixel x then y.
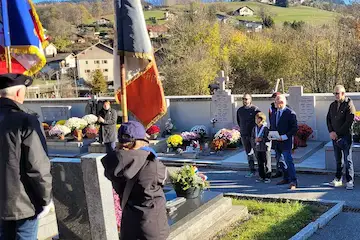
{"type": "Point", "coordinates": [159, 14]}
{"type": "Point", "coordinates": [299, 13]}
{"type": "Point", "coordinates": [272, 220]}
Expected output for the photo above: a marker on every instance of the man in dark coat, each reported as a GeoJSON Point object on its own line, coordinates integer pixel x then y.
{"type": "Point", "coordinates": [25, 180]}
{"type": "Point", "coordinates": [246, 120]}
{"type": "Point", "coordinates": [285, 123]}
{"type": "Point", "coordinates": [107, 120]}
{"type": "Point", "coordinates": [339, 121]}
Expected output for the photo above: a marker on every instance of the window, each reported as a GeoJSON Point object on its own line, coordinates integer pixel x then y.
{"type": "Point", "coordinates": [87, 71]}
{"type": "Point", "coordinates": [86, 62]}
{"type": "Point", "coordinates": [97, 62]}
{"type": "Point", "coordinates": [106, 70]}
{"type": "Point", "coordinates": [104, 61]}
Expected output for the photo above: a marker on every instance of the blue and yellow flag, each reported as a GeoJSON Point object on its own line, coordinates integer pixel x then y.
{"type": "Point", "coordinates": [21, 30]}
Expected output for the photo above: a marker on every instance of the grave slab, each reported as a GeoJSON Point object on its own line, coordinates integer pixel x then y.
{"type": "Point", "coordinates": [55, 113]}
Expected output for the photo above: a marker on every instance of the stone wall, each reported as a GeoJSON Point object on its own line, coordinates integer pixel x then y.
{"type": "Point", "coordinates": [187, 111]}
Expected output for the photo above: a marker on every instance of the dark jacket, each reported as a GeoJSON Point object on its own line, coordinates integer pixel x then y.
{"type": "Point", "coordinates": [246, 119]}
{"type": "Point", "coordinates": [287, 126]}
{"type": "Point", "coordinates": [265, 144]}
{"type": "Point", "coordinates": [144, 216]}
{"type": "Point", "coordinates": [25, 180]}
{"type": "Point", "coordinates": [108, 128]}
{"type": "Point", "coordinates": [341, 120]}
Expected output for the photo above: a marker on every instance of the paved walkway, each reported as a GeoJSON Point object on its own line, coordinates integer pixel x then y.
{"type": "Point", "coordinates": [310, 187]}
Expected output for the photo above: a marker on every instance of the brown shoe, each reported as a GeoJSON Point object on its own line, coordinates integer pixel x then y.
{"type": "Point", "coordinates": [282, 182]}
{"type": "Point", "coordinates": [292, 186]}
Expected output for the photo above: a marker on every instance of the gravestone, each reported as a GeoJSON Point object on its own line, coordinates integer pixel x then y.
{"type": "Point", "coordinates": [55, 113]}
{"type": "Point", "coordinates": [83, 199]}
{"type": "Point", "coordinates": [223, 105]}
{"type": "Point", "coordinates": [304, 106]}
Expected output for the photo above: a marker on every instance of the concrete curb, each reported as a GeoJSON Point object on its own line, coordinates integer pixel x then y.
{"type": "Point", "coordinates": [312, 227]}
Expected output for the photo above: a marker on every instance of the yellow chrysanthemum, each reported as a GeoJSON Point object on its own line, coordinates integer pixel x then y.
{"type": "Point", "coordinates": [174, 140]}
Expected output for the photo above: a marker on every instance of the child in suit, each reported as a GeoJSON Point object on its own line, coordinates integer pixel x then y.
{"type": "Point", "coordinates": [262, 147]}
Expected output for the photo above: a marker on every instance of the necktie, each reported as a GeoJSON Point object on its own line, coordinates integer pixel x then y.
{"type": "Point", "coordinates": [278, 115]}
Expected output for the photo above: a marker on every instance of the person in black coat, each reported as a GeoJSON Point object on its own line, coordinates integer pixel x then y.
{"type": "Point", "coordinates": [246, 120]}
{"type": "Point", "coordinates": [138, 177]}
{"type": "Point", "coordinates": [107, 119]}
{"type": "Point", "coordinates": [25, 179]}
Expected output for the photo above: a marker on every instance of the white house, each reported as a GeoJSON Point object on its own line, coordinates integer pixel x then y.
{"type": "Point", "coordinates": [251, 26]}
{"type": "Point", "coordinates": [243, 11]}
{"type": "Point", "coordinates": [50, 50]}
{"type": "Point", "coordinates": [102, 21]}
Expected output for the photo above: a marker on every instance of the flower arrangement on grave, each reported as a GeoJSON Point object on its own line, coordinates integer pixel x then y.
{"type": "Point", "coordinates": [188, 182]}
{"type": "Point", "coordinates": [174, 141]}
{"type": "Point", "coordinates": [76, 125]}
{"type": "Point", "coordinates": [60, 122]}
{"type": "Point", "coordinates": [92, 131]}
{"type": "Point", "coordinates": [188, 137]}
{"type": "Point", "coordinates": [218, 144]}
{"type": "Point", "coordinates": [231, 137]}
{"type": "Point", "coordinates": [59, 131]}
{"type": "Point", "coordinates": [153, 131]}
{"type": "Point", "coordinates": [303, 133]}
{"type": "Point", "coordinates": [356, 127]}
{"type": "Point", "coordinates": [90, 119]}
{"type": "Point", "coordinates": [201, 130]}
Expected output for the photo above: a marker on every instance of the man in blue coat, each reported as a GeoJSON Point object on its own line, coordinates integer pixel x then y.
{"type": "Point", "coordinates": [284, 121]}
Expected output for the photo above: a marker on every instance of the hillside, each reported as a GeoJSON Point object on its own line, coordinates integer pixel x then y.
{"type": "Point", "coordinates": [309, 15]}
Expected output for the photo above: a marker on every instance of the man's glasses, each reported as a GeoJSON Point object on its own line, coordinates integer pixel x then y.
{"type": "Point", "coordinates": [336, 93]}
{"type": "Point", "coordinates": [245, 99]}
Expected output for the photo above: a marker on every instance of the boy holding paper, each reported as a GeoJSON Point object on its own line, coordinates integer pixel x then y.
{"type": "Point", "coordinates": [262, 146]}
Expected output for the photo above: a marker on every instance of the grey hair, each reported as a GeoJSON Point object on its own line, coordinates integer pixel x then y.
{"type": "Point", "coordinates": [10, 91]}
{"type": "Point", "coordinates": [340, 88]}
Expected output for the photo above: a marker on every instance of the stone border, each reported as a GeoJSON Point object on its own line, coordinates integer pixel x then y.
{"type": "Point", "coordinates": [311, 228]}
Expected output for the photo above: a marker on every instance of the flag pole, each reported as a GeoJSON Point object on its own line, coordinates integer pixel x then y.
{"type": "Point", "coordinates": [123, 89]}
{"type": "Point", "coordinates": [5, 17]}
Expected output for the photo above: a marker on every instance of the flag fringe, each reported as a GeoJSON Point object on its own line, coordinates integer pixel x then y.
{"type": "Point", "coordinates": [36, 18]}
{"type": "Point", "coordinates": [32, 50]}
{"type": "Point", "coordinates": [148, 56]}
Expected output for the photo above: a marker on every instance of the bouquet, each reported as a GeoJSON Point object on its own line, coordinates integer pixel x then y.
{"type": "Point", "coordinates": [91, 131]}
{"type": "Point", "coordinates": [90, 119]}
{"type": "Point", "coordinates": [59, 130]}
{"type": "Point", "coordinates": [75, 123]}
{"type": "Point", "coordinates": [200, 129]}
{"type": "Point", "coordinates": [189, 136]}
{"type": "Point", "coordinates": [356, 127]}
{"type": "Point", "coordinates": [230, 136]}
{"type": "Point", "coordinates": [153, 130]}
{"type": "Point", "coordinates": [174, 141]}
{"type": "Point", "coordinates": [304, 132]}
{"type": "Point", "coordinates": [218, 144]}
{"type": "Point", "coordinates": [188, 177]}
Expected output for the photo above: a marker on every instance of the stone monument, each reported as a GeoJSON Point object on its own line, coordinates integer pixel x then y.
{"type": "Point", "coordinates": [55, 113]}
{"type": "Point", "coordinates": [304, 106]}
{"type": "Point", "coordinates": [223, 105]}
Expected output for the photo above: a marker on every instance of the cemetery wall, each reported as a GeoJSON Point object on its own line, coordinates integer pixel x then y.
{"type": "Point", "coordinates": [187, 111]}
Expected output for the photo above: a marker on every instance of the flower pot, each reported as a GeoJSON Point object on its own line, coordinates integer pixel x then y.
{"type": "Point", "coordinates": [62, 137]}
{"type": "Point", "coordinates": [356, 138]}
{"type": "Point", "coordinates": [190, 193]}
{"type": "Point", "coordinates": [78, 135]}
{"type": "Point", "coordinates": [91, 135]}
{"type": "Point", "coordinates": [300, 142]}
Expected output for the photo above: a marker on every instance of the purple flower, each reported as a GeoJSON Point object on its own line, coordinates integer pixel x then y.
{"type": "Point", "coordinates": [188, 136]}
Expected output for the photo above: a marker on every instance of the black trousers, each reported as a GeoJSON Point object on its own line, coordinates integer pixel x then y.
{"type": "Point", "coordinates": [264, 163]}
{"type": "Point", "coordinates": [246, 141]}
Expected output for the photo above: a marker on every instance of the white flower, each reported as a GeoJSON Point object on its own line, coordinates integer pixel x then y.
{"type": "Point", "coordinates": [76, 123]}
{"type": "Point", "coordinates": [58, 130]}
{"type": "Point", "coordinates": [90, 118]}
{"type": "Point", "coordinates": [213, 120]}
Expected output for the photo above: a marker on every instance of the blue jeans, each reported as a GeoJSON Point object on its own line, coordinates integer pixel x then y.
{"type": "Point", "coordinates": [25, 229]}
{"type": "Point", "coordinates": [288, 168]}
{"type": "Point", "coordinates": [344, 148]}
{"type": "Point", "coordinates": [110, 147]}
